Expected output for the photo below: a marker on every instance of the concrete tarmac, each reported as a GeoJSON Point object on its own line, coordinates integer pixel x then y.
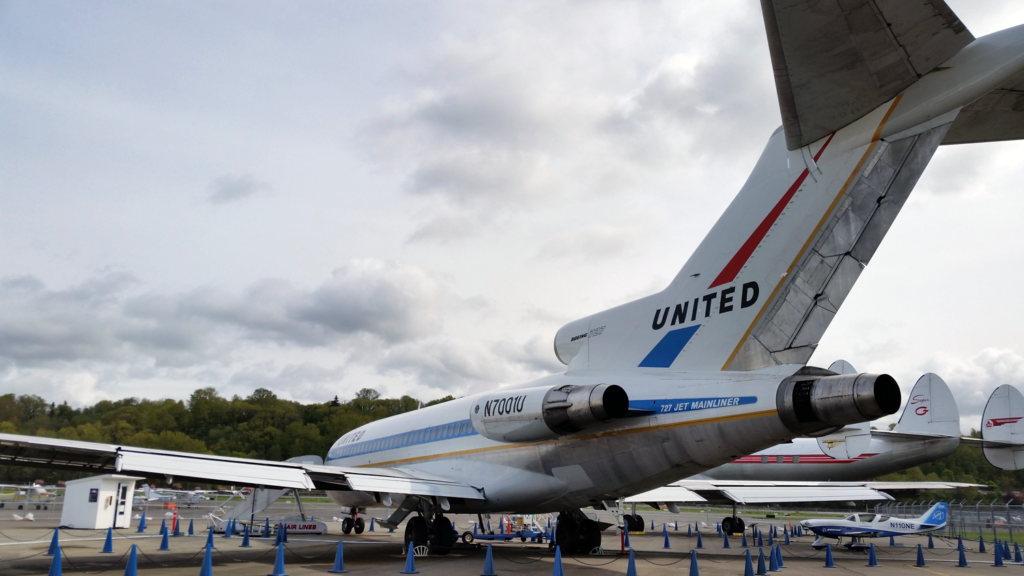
{"type": "Point", "coordinates": [23, 546]}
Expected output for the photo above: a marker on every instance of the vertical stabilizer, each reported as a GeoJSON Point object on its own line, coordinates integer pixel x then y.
{"type": "Point", "coordinates": [1001, 423]}
{"type": "Point", "coordinates": [930, 409]}
{"type": "Point", "coordinates": [935, 517]}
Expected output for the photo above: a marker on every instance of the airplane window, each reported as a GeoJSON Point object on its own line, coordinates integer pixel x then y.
{"type": "Point", "coordinates": [419, 436]}
{"type": "Point", "coordinates": [764, 459]}
{"type": "Point", "coordinates": [851, 518]}
{"type": "Point", "coordinates": [881, 518]}
{"type": "Point", "coordinates": [867, 518]}
{"type": "Point", "coordinates": [443, 433]}
{"type": "Point", "coordinates": [451, 429]}
{"type": "Point", "coordinates": [433, 433]}
{"type": "Point", "coordinates": [462, 428]}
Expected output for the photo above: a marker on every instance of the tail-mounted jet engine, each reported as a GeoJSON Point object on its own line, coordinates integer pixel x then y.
{"type": "Point", "coordinates": [535, 414]}
{"type": "Point", "coordinates": [815, 402]}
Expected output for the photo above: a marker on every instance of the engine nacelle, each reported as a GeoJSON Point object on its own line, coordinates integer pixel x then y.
{"type": "Point", "coordinates": [535, 414]}
{"type": "Point", "coordinates": [817, 402]}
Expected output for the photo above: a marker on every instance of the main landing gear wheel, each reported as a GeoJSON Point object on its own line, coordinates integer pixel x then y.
{"type": "Point", "coordinates": [358, 525]}
{"type": "Point", "coordinates": [634, 522]}
{"type": "Point", "coordinates": [732, 525]}
{"type": "Point", "coordinates": [576, 536]}
{"type": "Point", "coordinates": [442, 537]}
{"type": "Point", "coordinates": [346, 525]}
{"type": "Point", "coordinates": [415, 533]}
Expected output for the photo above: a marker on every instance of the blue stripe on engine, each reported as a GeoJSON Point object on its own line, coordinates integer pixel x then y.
{"type": "Point", "coordinates": [666, 351]}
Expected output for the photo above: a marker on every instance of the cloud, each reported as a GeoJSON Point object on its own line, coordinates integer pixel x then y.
{"type": "Point", "coordinates": [305, 380]}
{"type": "Point", "coordinates": [110, 318]}
{"type": "Point", "coordinates": [592, 243]}
{"type": "Point", "coordinates": [225, 189]}
{"type": "Point", "coordinates": [972, 379]}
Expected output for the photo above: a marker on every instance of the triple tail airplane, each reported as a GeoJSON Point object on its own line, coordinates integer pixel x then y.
{"type": "Point", "coordinates": [712, 367]}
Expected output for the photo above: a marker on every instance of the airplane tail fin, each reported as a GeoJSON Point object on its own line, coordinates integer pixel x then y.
{"type": "Point", "coordinates": [1002, 428]}
{"type": "Point", "coordinates": [935, 517]}
{"type": "Point", "coordinates": [930, 409]}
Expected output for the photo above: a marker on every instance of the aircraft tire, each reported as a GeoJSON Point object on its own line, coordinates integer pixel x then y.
{"type": "Point", "coordinates": [358, 525]}
{"type": "Point", "coordinates": [346, 525]}
{"type": "Point", "coordinates": [741, 526]}
{"type": "Point", "coordinates": [638, 523]}
{"type": "Point", "coordinates": [567, 534]}
{"type": "Point", "coordinates": [590, 536]}
{"type": "Point", "coordinates": [416, 532]}
{"type": "Point", "coordinates": [442, 537]}
{"type": "Point", "coordinates": [467, 537]}
{"type": "Point", "coordinates": [728, 525]}
{"type": "Point", "coordinates": [38, 507]}
{"type": "Point", "coordinates": [21, 506]}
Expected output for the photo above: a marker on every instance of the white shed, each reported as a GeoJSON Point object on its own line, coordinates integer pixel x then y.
{"type": "Point", "coordinates": [99, 502]}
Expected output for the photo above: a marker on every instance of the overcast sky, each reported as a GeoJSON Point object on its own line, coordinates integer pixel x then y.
{"type": "Point", "coordinates": [414, 196]}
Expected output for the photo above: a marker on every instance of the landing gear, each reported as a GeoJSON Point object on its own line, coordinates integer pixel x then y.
{"type": "Point", "coordinates": [416, 532]}
{"type": "Point", "coordinates": [346, 525]}
{"type": "Point", "coordinates": [358, 525]}
{"type": "Point", "coordinates": [733, 525]}
{"type": "Point", "coordinates": [438, 536]}
{"type": "Point", "coordinates": [633, 522]}
{"type": "Point", "coordinates": [577, 534]}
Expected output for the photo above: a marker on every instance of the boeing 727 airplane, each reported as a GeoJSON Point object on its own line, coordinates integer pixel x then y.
{"type": "Point", "coordinates": [712, 367]}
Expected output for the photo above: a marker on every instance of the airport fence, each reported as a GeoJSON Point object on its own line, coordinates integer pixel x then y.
{"type": "Point", "coordinates": [993, 519]}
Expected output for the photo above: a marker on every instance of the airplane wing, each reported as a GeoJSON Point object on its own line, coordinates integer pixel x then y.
{"type": "Point", "coordinates": [764, 492]}
{"type": "Point", "coordinates": [110, 458]}
{"type": "Point", "coordinates": [835, 61]}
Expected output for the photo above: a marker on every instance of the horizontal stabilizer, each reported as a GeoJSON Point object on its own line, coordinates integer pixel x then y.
{"type": "Point", "coordinates": [1001, 422]}
{"type": "Point", "coordinates": [835, 61]}
{"type": "Point", "coordinates": [996, 116]}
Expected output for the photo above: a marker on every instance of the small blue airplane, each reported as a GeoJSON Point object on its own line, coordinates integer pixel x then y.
{"type": "Point", "coordinates": [858, 526]}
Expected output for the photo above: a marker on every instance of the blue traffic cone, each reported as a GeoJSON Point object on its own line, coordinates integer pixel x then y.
{"type": "Point", "coordinates": [778, 556]}
{"type": "Point", "coordinates": [245, 538]}
{"type": "Point", "coordinates": [339, 561]}
{"type": "Point", "coordinates": [266, 528]}
{"type": "Point", "coordinates": [489, 562]}
{"type": "Point", "coordinates": [1016, 554]}
{"type": "Point", "coordinates": [652, 525]}
{"type": "Point", "coordinates": [931, 543]}
{"type": "Point", "coordinates": [54, 543]}
{"type": "Point", "coordinates": [725, 540]}
{"type": "Point", "coordinates": [284, 533]}
{"type": "Point", "coordinates": [132, 569]}
{"type": "Point", "coordinates": [689, 531]}
{"type": "Point", "coordinates": [760, 540]}
{"type": "Point", "coordinates": [743, 540]}
{"type": "Point", "coordinates": [920, 557]}
{"type": "Point", "coordinates": [630, 568]}
{"type": "Point", "coordinates": [142, 524]}
{"type": "Point", "coordinates": [962, 562]}
{"type": "Point", "coordinates": [981, 545]}
{"type": "Point", "coordinates": [700, 541]}
{"type": "Point", "coordinates": [229, 527]}
{"type": "Point", "coordinates": [108, 544]}
{"type": "Point", "coordinates": [799, 532]}
{"type": "Point", "coordinates": [279, 563]}
{"type": "Point", "coordinates": [676, 526]}
{"type": "Point", "coordinates": [892, 541]}
{"type": "Point", "coordinates": [872, 558]}
{"type": "Point", "coordinates": [191, 532]}
{"type": "Point", "coordinates": [997, 556]}
{"type": "Point", "coordinates": [718, 527]}
{"type": "Point", "coordinates": [773, 561]}
{"type": "Point", "coordinates": [56, 569]}
{"type": "Point", "coordinates": [207, 569]}
{"type": "Point", "coordinates": [626, 542]}
{"type": "Point", "coordinates": [785, 534]}
{"type": "Point", "coordinates": [410, 563]}
{"type": "Point", "coordinates": [761, 569]}
{"type": "Point", "coordinates": [278, 534]}
{"type": "Point", "coordinates": [694, 569]}
{"type": "Point", "coordinates": [771, 542]}
{"type": "Point", "coordinates": [163, 525]}
{"type": "Point", "coordinates": [488, 525]}
{"type": "Point", "coordinates": [371, 525]}
{"type": "Point", "coordinates": [556, 570]}
{"type": "Point", "coordinates": [664, 532]}
{"type": "Point", "coordinates": [209, 538]}
{"type": "Point", "coordinates": [748, 566]}
{"type": "Point", "coordinates": [1006, 551]}
{"type": "Point", "coordinates": [177, 528]}
{"type": "Point", "coordinates": [828, 557]}
{"type": "Point", "coordinates": [164, 544]}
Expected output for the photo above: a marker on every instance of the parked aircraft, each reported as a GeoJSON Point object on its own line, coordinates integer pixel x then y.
{"type": "Point", "coordinates": [859, 526]}
{"type": "Point", "coordinates": [712, 367]}
{"type": "Point", "coordinates": [28, 495]}
{"type": "Point", "coordinates": [181, 497]}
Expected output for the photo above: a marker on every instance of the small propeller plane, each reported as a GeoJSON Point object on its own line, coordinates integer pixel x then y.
{"type": "Point", "coordinates": [858, 526]}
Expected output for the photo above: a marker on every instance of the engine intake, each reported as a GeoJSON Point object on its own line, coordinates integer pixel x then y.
{"type": "Point", "coordinates": [815, 401]}
{"type": "Point", "coordinates": [544, 413]}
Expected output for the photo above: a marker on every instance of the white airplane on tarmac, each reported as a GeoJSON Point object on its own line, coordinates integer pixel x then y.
{"type": "Point", "coordinates": [859, 526]}
{"type": "Point", "coordinates": [712, 367]}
